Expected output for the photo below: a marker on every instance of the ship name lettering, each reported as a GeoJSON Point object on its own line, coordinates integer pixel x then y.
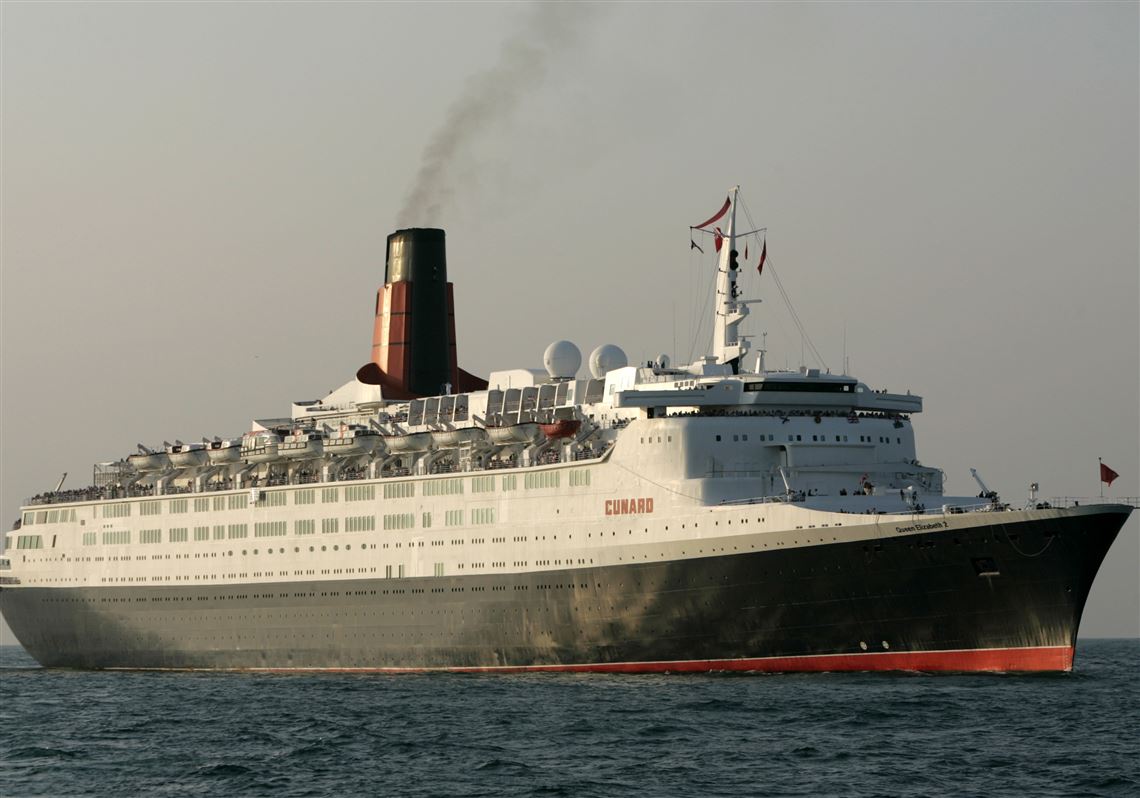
{"type": "Point", "coordinates": [923, 527]}
{"type": "Point", "coordinates": [629, 506]}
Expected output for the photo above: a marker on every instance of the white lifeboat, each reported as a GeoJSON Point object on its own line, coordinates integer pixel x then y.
{"type": "Point", "coordinates": [148, 460]}
{"type": "Point", "coordinates": [353, 440]}
{"type": "Point", "coordinates": [260, 446]}
{"type": "Point", "coordinates": [527, 432]}
{"type": "Point", "coordinates": [303, 444]}
{"type": "Point", "coordinates": [412, 442]}
{"type": "Point", "coordinates": [221, 452]}
{"type": "Point", "coordinates": [450, 438]}
{"type": "Point", "coordinates": [187, 455]}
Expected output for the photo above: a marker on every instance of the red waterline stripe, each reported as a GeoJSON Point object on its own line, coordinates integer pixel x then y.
{"type": "Point", "coordinates": [1042, 658]}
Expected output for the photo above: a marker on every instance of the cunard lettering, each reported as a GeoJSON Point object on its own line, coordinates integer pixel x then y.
{"type": "Point", "coordinates": [629, 506]}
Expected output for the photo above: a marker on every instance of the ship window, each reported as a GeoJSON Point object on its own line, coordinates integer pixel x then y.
{"type": "Point", "coordinates": [89, 538]}
{"type": "Point", "coordinates": [743, 437]}
{"type": "Point", "coordinates": [219, 502]}
{"type": "Point", "coordinates": [179, 535]}
{"type": "Point", "coordinates": [307, 496]}
{"type": "Point", "coordinates": [329, 495]}
{"type": "Point", "coordinates": [330, 525]}
{"type": "Point", "coordinates": [425, 521]}
{"type": "Point", "coordinates": [736, 438]}
{"type": "Point", "coordinates": [179, 505]}
{"type": "Point", "coordinates": [235, 531]}
{"type": "Point", "coordinates": [201, 533]}
{"type": "Point", "coordinates": [718, 437]}
{"type": "Point", "coordinates": [238, 501]}
{"type": "Point", "coordinates": [275, 498]}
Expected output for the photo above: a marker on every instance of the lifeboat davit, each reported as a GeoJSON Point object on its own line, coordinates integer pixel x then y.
{"type": "Point", "coordinates": [527, 432]}
{"type": "Point", "coordinates": [562, 428]}
{"type": "Point", "coordinates": [187, 455]}
{"type": "Point", "coordinates": [223, 452]}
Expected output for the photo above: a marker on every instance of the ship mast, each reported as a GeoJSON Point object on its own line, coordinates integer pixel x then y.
{"type": "Point", "coordinates": [728, 347]}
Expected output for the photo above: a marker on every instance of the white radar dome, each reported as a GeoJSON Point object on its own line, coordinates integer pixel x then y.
{"type": "Point", "coordinates": [562, 360]}
{"type": "Point", "coordinates": [606, 357]}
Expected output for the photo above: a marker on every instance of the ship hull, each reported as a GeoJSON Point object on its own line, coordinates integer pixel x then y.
{"type": "Point", "coordinates": [1002, 597]}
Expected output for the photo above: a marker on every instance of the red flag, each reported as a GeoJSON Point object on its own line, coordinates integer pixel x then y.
{"type": "Point", "coordinates": [719, 239]}
{"type": "Point", "coordinates": [763, 257]}
{"type": "Point", "coordinates": [1107, 475]}
{"type": "Point", "coordinates": [720, 213]}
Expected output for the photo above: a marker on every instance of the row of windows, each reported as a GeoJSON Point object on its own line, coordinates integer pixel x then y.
{"type": "Point", "coordinates": [29, 542]}
{"type": "Point", "coordinates": [270, 529]}
{"type": "Point", "coordinates": [278, 498]}
{"type": "Point", "coordinates": [359, 523]}
{"type": "Point", "coordinates": [442, 487]}
{"type": "Point", "coordinates": [150, 536]}
{"type": "Point", "coordinates": [399, 521]}
{"type": "Point", "coordinates": [453, 518]}
{"type": "Point", "coordinates": [542, 479]}
{"type": "Point", "coordinates": [48, 516]}
{"type": "Point", "coordinates": [483, 515]}
{"type": "Point", "coordinates": [357, 493]}
{"type": "Point", "coordinates": [399, 490]}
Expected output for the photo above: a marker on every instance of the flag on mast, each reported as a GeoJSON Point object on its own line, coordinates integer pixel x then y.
{"type": "Point", "coordinates": [1107, 475]}
{"type": "Point", "coordinates": [763, 257]}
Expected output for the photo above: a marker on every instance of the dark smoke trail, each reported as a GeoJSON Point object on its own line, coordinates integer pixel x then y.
{"type": "Point", "coordinates": [490, 96]}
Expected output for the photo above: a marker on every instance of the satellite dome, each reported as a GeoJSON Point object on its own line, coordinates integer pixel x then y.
{"type": "Point", "coordinates": [606, 357]}
{"type": "Point", "coordinates": [562, 360]}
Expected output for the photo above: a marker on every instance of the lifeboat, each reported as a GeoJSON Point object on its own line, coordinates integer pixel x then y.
{"type": "Point", "coordinates": [412, 442]}
{"type": "Point", "coordinates": [449, 438]}
{"type": "Point", "coordinates": [222, 452]}
{"type": "Point", "coordinates": [187, 455]}
{"type": "Point", "coordinates": [147, 460]}
{"type": "Point", "coordinates": [260, 447]}
{"type": "Point", "coordinates": [526, 432]}
{"type": "Point", "coordinates": [353, 440]}
{"type": "Point", "coordinates": [562, 428]}
{"type": "Point", "coordinates": [302, 445]}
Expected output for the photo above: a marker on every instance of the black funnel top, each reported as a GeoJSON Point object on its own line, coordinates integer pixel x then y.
{"type": "Point", "coordinates": [416, 255]}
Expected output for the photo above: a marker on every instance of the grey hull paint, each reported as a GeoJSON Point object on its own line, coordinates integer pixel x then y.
{"type": "Point", "coordinates": [922, 592]}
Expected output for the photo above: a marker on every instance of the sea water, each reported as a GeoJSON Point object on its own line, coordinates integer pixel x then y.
{"type": "Point", "coordinates": [181, 734]}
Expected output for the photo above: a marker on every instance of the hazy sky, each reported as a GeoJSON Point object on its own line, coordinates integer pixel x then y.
{"type": "Point", "coordinates": [195, 199]}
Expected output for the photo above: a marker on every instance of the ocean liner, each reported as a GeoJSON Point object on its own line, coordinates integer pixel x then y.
{"type": "Point", "coordinates": [648, 517]}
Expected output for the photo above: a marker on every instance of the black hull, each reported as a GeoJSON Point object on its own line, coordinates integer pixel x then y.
{"type": "Point", "coordinates": [1000, 597]}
